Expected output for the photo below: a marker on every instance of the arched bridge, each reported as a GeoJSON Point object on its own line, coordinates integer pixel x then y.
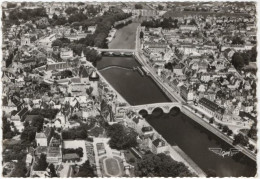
{"type": "Point", "coordinates": [115, 66]}
{"type": "Point", "coordinates": [166, 107]}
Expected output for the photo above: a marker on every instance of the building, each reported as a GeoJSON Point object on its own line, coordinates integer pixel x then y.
{"type": "Point", "coordinates": [186, 93]}
{"type": "Point", "coordinates": [46, 42]}
{"type": "Point", "coordinates": [212, 108]}
{"type": "Point", "coordinates": [66, 54]}
{"type": "Point", "coordinates": [158, 145]}
{"type": "Point", "coordinates": [26, 40]}
{"type": "Point", "coordinates": [41, 139]}
{"type": "Point", "coordinates": [54, 152]}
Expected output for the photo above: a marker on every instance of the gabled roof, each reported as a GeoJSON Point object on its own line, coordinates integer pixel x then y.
{"type": "Point", "coordinates": [40, 135]}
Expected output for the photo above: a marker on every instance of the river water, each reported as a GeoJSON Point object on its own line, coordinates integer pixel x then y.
{"type": "Point", "coordinates": [125, 37]}
{"type": "Point", "coordinates": [135, 88]}
{"type": "Point", "coordinates": [192, 138]}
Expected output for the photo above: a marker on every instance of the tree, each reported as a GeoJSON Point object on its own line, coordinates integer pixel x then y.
{"type": "Point", "coordinates": [89, 90]}
{"type": "Point", "coordinates": [71, 10]}
{"type": "Point", "coordinates": [141, 34]}
{"type": "Point", "coordinates": [132, 160]}
{"type": "Point", "coordinates": [237, 41]}
{"type": "Point", "coordinates": [38, 123]}
{"type": "Point", "coordinates": [19, 170]}
{"type": "Point", "coordinates": [52, 171]}
{"type": "Point", "coordinates": [7, 131]}
{"type": "Point", "coordinates": [11, 5]}
{"type": "Point", "coordinates": [229, 132]}
{"type": "Point", "coordinates": [252, 133]}
{"type": "Point", "coordinates": [237, 60]}
{"type": "Point", "coordinates": [161, 165]}
{"type": "Point", "coordinates": [54, 17]}
{"type": "Point", "coordinates": [225, 129]}
{"type": "Point", "coordinates": [86, 170]}
{"type": "Point", "coordinates": [122, 138]}
{"type": "Point", "coordinates": [251, 147]}
{"type": "Point", "coordinates": [168, 66]}
{"type": "Point", "coordinates": [192, 22]}
{"type": "Point", "coordinates": [211, 120]}
{"type": "Point", "coordinates": [57, 42]}
{"type": "Point", "coordinates": [220, 126]}
{"type": "Point", "coordinates": [160, 7]}
{"type": "Point", "coordinates": [42, 164]}
{"type": "Point", "coordinates": [28, 134]}
{"type": "Point", "coordinates": [138, 6]}
{"type": "Point", "coordinates": [240, 139]}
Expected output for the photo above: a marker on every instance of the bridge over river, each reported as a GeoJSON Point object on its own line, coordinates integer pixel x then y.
{"type": "Point", "coordinates": [116, 50]}
{"type": "Point", "coordinates": [115, 66]}
{"type": "Point", "coordinates": [166, 107]}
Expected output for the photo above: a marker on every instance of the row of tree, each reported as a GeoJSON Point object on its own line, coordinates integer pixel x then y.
{"type": "Point", "coordinates": [166, 23]}
{"type": "Point", "coordinates": [26, 15]}
{"type": "Point", "coordinates": [75, 133]}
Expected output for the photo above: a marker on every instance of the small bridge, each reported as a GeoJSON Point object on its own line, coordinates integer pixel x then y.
{"type": "Point", "coordinates": [165, 107]}
{"type": "Point", "coordinates": [116, 50]}
{"type": "Point", "coordinates": [115, 66]}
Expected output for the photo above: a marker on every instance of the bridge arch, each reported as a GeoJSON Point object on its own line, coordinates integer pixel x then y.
{"type": "Point", "coordinates": [175, 110]}
{"type": "Point", "coordinates": [157, 111]}
{"type": "Point", "coordinates": [143, 112]}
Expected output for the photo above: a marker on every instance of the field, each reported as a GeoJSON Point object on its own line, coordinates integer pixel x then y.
{"type": "Point", "coordinates": [112, 167]}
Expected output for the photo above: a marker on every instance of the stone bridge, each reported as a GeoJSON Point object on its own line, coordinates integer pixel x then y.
{"type": "Point", "coordinates": [165, 107]}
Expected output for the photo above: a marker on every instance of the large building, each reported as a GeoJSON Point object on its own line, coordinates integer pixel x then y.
{"type": "Point", "coordinates": [212, 108]}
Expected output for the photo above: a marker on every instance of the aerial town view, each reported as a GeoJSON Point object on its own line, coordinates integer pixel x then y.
{"type": "Point", "coordinates": [129, 89]}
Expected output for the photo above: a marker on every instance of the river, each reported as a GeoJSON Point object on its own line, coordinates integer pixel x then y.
{"type": "Point", "coordinates": [124, 37]}
{"type": "Point", "coordinates": [192, 138]}
{"type": "Point", "coordinates": [135, 88]}
{"type": "Point", "coordinates": [195, 141]}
